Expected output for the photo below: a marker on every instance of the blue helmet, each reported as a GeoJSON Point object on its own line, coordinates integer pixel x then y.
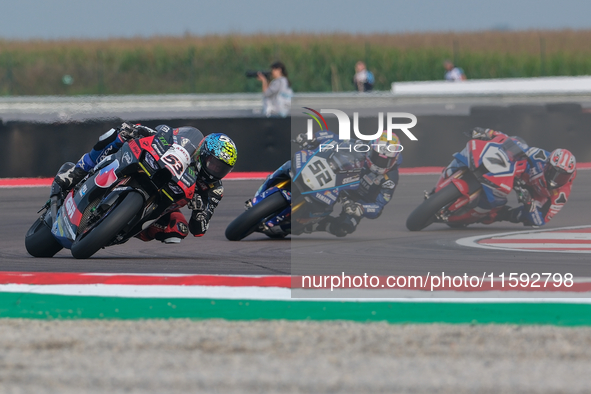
{"type": "Point", "coordinates": [217, 156]}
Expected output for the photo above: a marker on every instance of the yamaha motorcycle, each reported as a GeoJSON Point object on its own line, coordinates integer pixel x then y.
{"type": "Point", "coordinates": [125, 193]}
{"type": "Point", "coordinates": [297, 196]}
{"type": "Point", "coordinates": [486, 173]}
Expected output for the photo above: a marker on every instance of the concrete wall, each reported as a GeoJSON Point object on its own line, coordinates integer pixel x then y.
{"type": "Point", "coordinates": [38, 149]}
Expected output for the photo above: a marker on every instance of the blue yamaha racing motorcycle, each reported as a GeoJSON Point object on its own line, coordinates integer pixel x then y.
{"type": "Point", "coordinates": [293, 199]}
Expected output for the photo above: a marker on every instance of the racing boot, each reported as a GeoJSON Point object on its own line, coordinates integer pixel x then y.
{"type": "Point", "coordinates": [329, 224]}
{"type": "Point", "coordinates": [169, 229]}
{"type": "Point", "coordinates": [68, 178]}
{"type": "Point", "coordinates": [505, 214]}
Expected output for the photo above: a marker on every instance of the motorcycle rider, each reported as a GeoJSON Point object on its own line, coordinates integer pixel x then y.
{"type": "Point", "coordinates": [378, 180]}
{"type": "Point", "coordinates": [543, 188]}
{"type": "Point", "coordinates": [216, 157]}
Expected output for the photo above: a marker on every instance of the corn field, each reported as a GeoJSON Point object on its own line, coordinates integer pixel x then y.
{"type": "Point", "coordinates": [316, 63]}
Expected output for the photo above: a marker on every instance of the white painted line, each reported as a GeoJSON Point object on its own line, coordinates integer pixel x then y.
{"type": "Point", "coordinates": [539, 247]}
{"type": "Point", "coordinates": [547, 235]}
{"type": "Point", "coordinates": [519, 245]}
{"type": "Point", "coordinates": [284, 294]}
{"type": "Point", "coordinates": [155, 291]}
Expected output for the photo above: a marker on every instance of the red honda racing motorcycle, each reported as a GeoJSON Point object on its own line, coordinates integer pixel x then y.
{"type": "Point", "coordinates": [484, 174]}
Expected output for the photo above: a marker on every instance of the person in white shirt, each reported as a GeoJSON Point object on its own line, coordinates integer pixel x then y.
{"type": "Point", "coordinates": [276, 94]}
{"type": "Point", "coordinates": [363, 78]}
{"type": "Point", "coordinates": [453, 73]}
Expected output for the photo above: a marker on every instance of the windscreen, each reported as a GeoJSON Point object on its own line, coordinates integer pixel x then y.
{"type": "Point", "coordinates": [189, 138]}
{"type": "Point", "coordinates": [514, 151]}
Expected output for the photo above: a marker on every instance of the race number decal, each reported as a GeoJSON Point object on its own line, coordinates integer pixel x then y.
{"type": "Point", "coordinates": [318, 175]}
{"type": "Point", "coordinates": [177, 160]}
{"type": "Point", "coordinates": [496, 161]}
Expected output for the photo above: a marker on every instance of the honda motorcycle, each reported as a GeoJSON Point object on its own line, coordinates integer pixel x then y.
{"type": "Point", "coordinates": [125, 193]}
{"type": "Point", "coordinates": [486, 173]}
{"type": "Point", "coordinates": [316, 182]}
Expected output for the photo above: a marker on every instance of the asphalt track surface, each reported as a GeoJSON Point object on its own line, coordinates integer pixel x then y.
{"type": "Point", "coordinates": [392, 249]}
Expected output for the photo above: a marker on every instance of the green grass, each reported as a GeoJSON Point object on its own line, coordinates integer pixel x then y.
{"type": "Point", "coordinates": [316, 63]}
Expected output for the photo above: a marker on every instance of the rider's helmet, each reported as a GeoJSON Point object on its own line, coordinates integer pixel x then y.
{"type": "Point", "coordinates": [217, 156]}
{"type": "Point", "coordinates": [383, 154]}
{"type": "Point", "coordinates": [560, 168]}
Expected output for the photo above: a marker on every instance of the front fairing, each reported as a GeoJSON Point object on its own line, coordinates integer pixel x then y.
{"type": "Point", "coordinates": [323, 175]}
{"type": "Point", "coordinates": [496, 164]}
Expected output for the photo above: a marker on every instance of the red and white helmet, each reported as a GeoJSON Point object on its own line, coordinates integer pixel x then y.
{"type": "Point", "coordinates": [383, 155]}
{"type": "Point", "coordinates": [560, 168]}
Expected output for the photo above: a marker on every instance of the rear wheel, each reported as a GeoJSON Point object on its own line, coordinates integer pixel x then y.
{"type": "Point", "coordinates": [40, 242]}
{"type": "Point", "coordinates": [109, 227]}
{"type": "Point", "coordinates": [249, 220]}
{"type": "Point", "coordinates": [424, 214]}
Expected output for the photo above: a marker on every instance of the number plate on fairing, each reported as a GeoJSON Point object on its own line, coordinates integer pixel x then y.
{"type": "Point", "coordinates": [318, 175]}
{"type": "Point", "coordinates": [496, 161]}
{"type": "Point", "coordinates": [177, 160]}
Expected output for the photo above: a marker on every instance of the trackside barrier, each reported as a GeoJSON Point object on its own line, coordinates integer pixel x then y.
{"type": "Point", "coordinates": [38, 149]}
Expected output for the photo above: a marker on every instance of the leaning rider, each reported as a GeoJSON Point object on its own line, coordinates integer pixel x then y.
{"type": "Point", "coordinates": [216, 157]}
{"type": "Point", "coordinates": [544, 187]}
{"type": "Point", "coordinates": [378, 180]}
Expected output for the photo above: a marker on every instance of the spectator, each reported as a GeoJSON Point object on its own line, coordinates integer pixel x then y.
{"type": "Point", "coordinates": [276, 94]}
{"type": "Point", "coordinates": [453, 73]}
{"type": "Point", "coordinates": [363, 79]}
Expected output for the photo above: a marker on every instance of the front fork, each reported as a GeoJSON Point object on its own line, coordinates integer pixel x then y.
{"type": "Point", "coordinates": [469, 188]}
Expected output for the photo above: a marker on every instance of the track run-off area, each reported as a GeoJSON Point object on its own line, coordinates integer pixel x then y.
{"type": "Point", "coordinates": [211, 277]}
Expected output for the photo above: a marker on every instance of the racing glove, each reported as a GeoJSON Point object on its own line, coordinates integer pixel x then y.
{"type": "Point", "coordinates": [203, 210]}
{"type": "Point", "coordinates": [353, 208]}
{"type": "Point", "coordinates": [196, 203]}
{"type": "Point", "coordinates": [480, 133]}
{"type": "Point", "coordinates": [128, 131]}
{"type": "Point", "coordinates": [303, 141]}
{"type": "Point", "coordinates": [523, 196]}
{"type": "Point", "coordinates": [200, 222]}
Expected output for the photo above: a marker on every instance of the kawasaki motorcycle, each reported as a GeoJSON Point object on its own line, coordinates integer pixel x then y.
{"type": "Point", "coordinates": [125, 193]}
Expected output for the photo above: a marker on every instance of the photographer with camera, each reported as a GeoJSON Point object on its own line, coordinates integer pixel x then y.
{"type": "Point", "coordinates": [277, 93]}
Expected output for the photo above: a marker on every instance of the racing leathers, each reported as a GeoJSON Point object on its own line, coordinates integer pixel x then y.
{"type": "Point", "coordinates": [540, 203]}
{"type": "Point", "coordinates": [368, 200]}
{"type": "Point", "coordinates": [173, 226]}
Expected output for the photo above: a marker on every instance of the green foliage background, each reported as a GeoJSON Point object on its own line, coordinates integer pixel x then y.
{"type": "Point", "coordinates": [315, 63]}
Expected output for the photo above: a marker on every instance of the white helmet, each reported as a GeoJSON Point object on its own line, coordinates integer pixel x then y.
{"type": "Point", "coordinates": [383, 155]}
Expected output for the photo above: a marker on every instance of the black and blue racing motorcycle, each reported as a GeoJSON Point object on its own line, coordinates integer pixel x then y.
{"type": "Point", "coordinates": [300, 193]}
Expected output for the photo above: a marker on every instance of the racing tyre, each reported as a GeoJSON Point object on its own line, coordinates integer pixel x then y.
{"type": "Point", "coordinates": [424, 214]}
{"type": "Point", "coordinates": [249, 220]}
{"type": "Point", "coordinates": [40, 242]}
{"type": "Point", "coordinates": [109, 227]}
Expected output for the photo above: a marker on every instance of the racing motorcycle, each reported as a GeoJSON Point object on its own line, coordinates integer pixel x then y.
{"type": "Point", "coordinates": [319, 179]}
{"type": "Point", "coordinates": [487, 173]}
{"type": "Point", "coordinates": [125, 193]}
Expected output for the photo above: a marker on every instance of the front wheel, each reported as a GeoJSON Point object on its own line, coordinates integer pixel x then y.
{"type": "Point", "coordinates": [249, 220]}
{"type": "Point", "coordinates": [425, 213]}
{"type": "Point", "coordinates": [40, 242]}
{"type": "Point", "coordinates": [108, 228]}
